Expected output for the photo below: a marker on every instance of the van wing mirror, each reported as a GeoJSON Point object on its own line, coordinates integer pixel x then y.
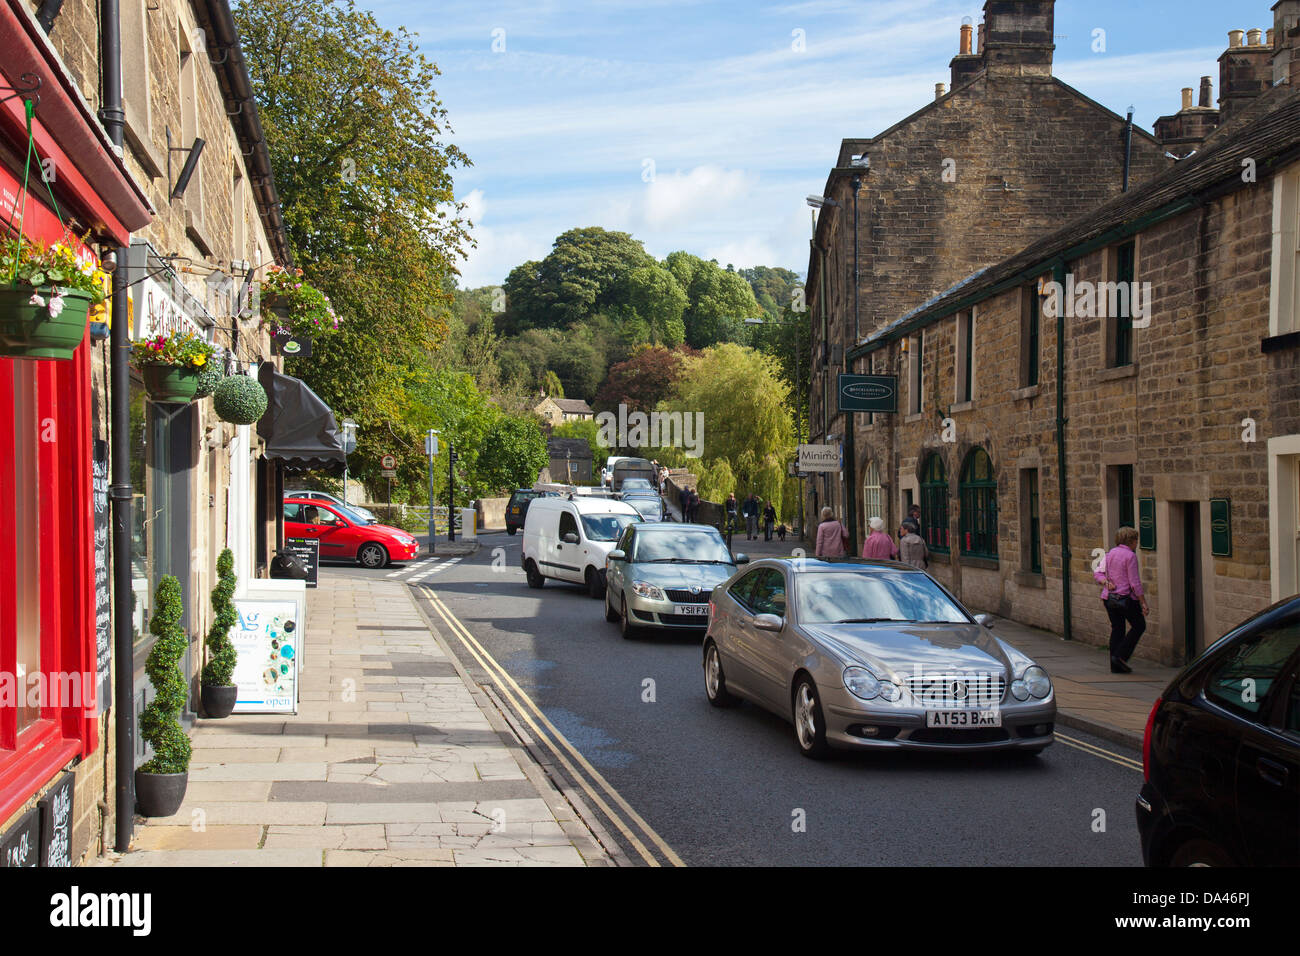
{"type": "Point", "coordinates": [570, 538]}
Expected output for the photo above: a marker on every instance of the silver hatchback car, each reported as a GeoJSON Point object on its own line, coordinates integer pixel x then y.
{"type": "Point", "coordinates": [866, 654]}
{"type": "Point", "coordinates": [662, 575]}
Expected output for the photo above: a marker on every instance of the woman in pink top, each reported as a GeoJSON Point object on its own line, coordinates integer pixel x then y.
{"type": "Point", "coordinates": [879, 545]}
{"type": "Point", "coordinates": [1119, 576]}
{"type": "Point", "coordinates": [831, 536]}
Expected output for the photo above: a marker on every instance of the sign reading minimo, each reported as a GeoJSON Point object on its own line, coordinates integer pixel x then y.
{"type": "Point", "coordinates": [819, 458]}
{"type": "Point", "coordinates": [868, 393]}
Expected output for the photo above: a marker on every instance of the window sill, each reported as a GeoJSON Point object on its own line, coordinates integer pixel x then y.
{"type": "Point", "coordinates": [1029, 391]}
{"type": "Point", "coordinates": [961, 407]}
{"type": "Point", "coordinates": [1280, 343]}
{"type": "Point", "coordinates": [1031, 579]}
{"type": "Point", "coordinates": [971, 561]}
{"type": "Point", "coordinates": [194, 229]}
{"type": "Point", "coordinates": [1117, 372]}
{"type": "Point", "coordinates": [912, 417]}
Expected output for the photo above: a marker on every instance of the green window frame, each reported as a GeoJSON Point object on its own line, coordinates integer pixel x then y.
{"type": "Point", "coordinates": [1124, 274]}
{"type": "Point", "coordinates": [934, 504]}
{"type": "Point", "coordinates": [979, 506]}
{"type": "Point", "coordinates": [1124, 492]}
{"type": "Point", "coordinates": [968, 334]}
{"type": "Point", "coordinates": [1035, 525]}
{"type": "Point", "coordinates": [1032, 337]}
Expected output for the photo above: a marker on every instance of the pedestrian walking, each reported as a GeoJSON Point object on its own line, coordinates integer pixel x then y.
{"type": "Point", "coordinates": [911, 546]}
{"type": "Point", "coordinates": [731, 507]}
{"type": "Point", "coordinates": [832, 537]}
{"type": "Point", "coordinates": [769, 521]}
{"type": "Point", "coordinates": [1123, 598]}
{"type": "Point", "coordinates": [750, 512]}
{"type": "Point", "coordinates": [879, 545]}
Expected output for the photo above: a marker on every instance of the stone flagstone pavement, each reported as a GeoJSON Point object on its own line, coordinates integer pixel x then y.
{"type": "Point", "coordinates": [391, 761]}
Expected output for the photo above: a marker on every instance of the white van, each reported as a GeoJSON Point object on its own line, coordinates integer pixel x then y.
{"type": "Point", "coordinates": [568, 539]}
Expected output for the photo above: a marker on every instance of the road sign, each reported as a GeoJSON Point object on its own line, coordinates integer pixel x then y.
{"type": "Point", "coordinates": [388, 462]}
{"type": "Point", "coordinates": [431, 444]}
{"type": "Point", "coordinates": [388, 473]}
{"type": "Point", "coordinates": [819, 458]}
{"type": "Point", "coordinates": [868, 393]}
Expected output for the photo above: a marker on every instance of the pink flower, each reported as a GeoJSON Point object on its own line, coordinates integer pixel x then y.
{"type": "Point", "coordinates": [56, 306]}
{"type": "Point", "coordinates": [35, 300]}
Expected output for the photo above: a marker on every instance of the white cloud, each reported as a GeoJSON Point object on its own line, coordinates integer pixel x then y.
{"type": "Point", "coordinates": [675, 199]}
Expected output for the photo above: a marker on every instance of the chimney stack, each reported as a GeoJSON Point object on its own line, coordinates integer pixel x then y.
{"type": "Point", "coordinates": [965, 66]}
{"type": "Point", "coordinates": [938, 91]}
{"type": "Point", "coordinates": [1244, 72]}
{"type": "Point", "coordinates": [1019, 37]}
{"type": "Point", "coordinates": [1185, 131]}
{"type": "Point", "coordinates": [1286, 17]}
{"type": "Point", "coordinates": [1187, 97]}
{"type": "Point", "coordinates": [1207, 93]}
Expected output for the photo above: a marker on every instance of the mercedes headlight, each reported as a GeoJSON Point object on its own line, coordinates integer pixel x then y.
{"type": "Point", "coordinates": [1037, 681]}
{"type": "Point", "coordinates": [864, 685]}
{"type": "Point", "coordinates": [648, 591]}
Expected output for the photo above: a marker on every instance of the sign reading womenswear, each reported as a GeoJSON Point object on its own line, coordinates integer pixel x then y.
{"type": "Point", "coordinates": [267, 642]}
{"type": "Point", "coordinates": [819, 458]}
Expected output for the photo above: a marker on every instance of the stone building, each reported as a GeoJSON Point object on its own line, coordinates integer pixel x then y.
{"type": "Point", "coordinates": [1003, 156]}
{"type": "Point", "coordinates": [1136, 367]}
{"type": "Point", "coordinates": [199, 484]}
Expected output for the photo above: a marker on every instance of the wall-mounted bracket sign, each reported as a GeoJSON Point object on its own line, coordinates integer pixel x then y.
{"type": "Point", "coordinates": [1147, 524]}
{"type": "Point", "coordinates": [820, 458]}
{"type": "Point", "coordinates": [868, 393]}
{"type": "Point", "coordinates": [1221, 527]}
{"type": "Point", "coordinates": [286, 343]}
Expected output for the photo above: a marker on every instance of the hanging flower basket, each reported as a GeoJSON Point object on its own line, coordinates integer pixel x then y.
{"type": "Point", "coordinates": [44, 323]}
{"type": "Point", "coordinates": [292, 306]}
{"type": "Point", "coordinates": [171, 365]}
{"type": "Point", "coordinates": [240, 400]}
{"type": "Point", "coordinates": [45, 296]}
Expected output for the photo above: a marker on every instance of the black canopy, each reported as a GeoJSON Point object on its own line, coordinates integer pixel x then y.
{"type": "Point", "coordinates": [299, 429]}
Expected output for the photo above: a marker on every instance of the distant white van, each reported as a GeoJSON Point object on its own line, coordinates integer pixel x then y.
{"type": "Point", "coordinates": [569, 539]}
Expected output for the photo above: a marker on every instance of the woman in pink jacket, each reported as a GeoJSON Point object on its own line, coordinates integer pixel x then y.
{"type": "Point", "coordinates": [831, 536]}
{"type": "Point", "coordinates": [879, 545]}
{"type": "Point", "coordinates": [1125, 601]}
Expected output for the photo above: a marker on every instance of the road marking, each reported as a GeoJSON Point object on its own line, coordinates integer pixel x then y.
{"type": "Point", "coordinates": [518, 698]}
{"type": "Point", "coordinates": [1101, 752]}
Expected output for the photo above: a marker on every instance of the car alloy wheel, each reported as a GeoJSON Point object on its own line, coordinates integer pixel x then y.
{"type": "Point", "coordinates": [809, 727]}
{"type": "Point", "coordinates": [372, 555]}
{"type": "Point", "coordinates": [715, 682]}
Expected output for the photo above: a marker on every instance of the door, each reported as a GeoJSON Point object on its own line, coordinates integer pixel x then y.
{"type": "Point", "coordinates": [566, 561]}
{"type": "Point", "coordinates": [735, 635]}
{"type": "Point", "coordinates": [1193, 638]}
{"type": "Point", "coordinates": [771, 648]}
{"type": "Point", "coordinates": [616, 578]}
{"type": "Point", "coordinates": [327, 527]}
{"type": "Point", "coordinates": [1268, 761]}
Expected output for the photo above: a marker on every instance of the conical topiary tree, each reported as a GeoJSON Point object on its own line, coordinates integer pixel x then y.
{"type": "Point", "coordinates": [220, 669]}
{"type": "Point", "coordinates": [158, 724]}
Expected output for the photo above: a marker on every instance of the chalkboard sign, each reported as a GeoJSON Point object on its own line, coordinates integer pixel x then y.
{"type": "Point", "coordinates": [19, 844]}
{"type": "Point", "coordinates": [103, 590]}
{"type": "Point", "coordinates": [307, 550]}
{"type": "Point", "coordinates": [56, 823]}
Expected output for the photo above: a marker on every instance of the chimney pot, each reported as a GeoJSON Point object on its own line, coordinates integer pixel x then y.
{"type": "Point", "coordinates": [1207, 92]}
{"type": "Point", "coordinates": [939, 90]}
{"type": "Point", "coordinates": [1187, 97]}
{"type": "Point", "coordinates": [966, 30]}
{"type": "Point", "coordinates": [1234, 39]}
{"type": "Point", "coordinates": [1254, 36]}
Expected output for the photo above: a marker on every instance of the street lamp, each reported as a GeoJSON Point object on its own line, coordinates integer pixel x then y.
{"type": "Point", "coordinates": [349, 446]}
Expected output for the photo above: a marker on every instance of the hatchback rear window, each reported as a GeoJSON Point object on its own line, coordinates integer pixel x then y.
{"type": "Point", "coordinates": [1243, 679]}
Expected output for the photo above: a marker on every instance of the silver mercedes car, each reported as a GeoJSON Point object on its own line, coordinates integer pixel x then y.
{"type": "Point", "coordinates": [662, 575]}
{"type": "Point", "coordinates": [862, 654]}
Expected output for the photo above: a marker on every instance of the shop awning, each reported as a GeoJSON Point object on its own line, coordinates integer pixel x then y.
{"type": "Point", "coordinates": [298, 428]}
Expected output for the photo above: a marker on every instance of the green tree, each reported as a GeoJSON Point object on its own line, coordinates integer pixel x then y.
{"type": "Point", "coordinates": [551, 385]}
{"type": "Point", "coordinates": [718, 301]}
{"type": "Point", "coordinates": [356, 135]}
{"type": "Point", "coordinates": [588, 431]}
{"type": "Point", "coordinates": [514, 452]}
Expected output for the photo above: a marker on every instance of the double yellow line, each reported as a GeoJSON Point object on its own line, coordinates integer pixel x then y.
{"type": "Point", "coordinates": [588, 778]}
{"type": "Point", "coordinates": [1077, 744]}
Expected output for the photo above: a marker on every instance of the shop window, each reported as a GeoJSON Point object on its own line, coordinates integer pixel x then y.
{"type": "Point", "coordinates": [979, 506]}
{"type": "Point", "coordinates": [934, 504]}
{"type": "Point", "coordinates": [872, 502]}
{"type": "Point", "coordinates": [26, 542]}
{"type": "Point", "coordinates": [1284, 291]}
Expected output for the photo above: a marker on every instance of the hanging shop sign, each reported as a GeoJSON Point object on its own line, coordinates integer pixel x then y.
{"type": "Point", "coordinates": [161, 303]}
{"type": "Point", "coordinates": [819, 458]}
{"type": "Point", "coordinates": [286, 343]}
{"type": "Point", "coordinates": [103, 591]}
{"type": "Point", "coordinates": [267, 642]}
{"type": "Point", "coordinates": [868, 393]}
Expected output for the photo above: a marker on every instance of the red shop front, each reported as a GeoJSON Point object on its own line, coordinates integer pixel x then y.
{"type": "Point", "coordinates": [49, 722]}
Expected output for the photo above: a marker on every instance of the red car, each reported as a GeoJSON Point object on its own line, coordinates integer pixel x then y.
{"type": "Point", "coordinates": [344, 535]}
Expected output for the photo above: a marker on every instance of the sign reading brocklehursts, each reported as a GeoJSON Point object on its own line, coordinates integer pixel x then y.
{"type": "Point", "coordinates": [819, 458]}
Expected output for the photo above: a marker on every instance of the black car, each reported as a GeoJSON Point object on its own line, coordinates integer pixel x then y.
{"type": "Point", "coordinates": [1221, 755]}
{"type": "Point", "coordinates": [517, 509]}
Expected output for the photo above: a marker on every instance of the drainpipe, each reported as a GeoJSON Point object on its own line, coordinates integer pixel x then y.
{"type": "Point", "coordinates": [1058, 273]}
{"type": "Point", "coordinates": [113, 119]}
{"type": "Point", "coordinates": [1128, 147]}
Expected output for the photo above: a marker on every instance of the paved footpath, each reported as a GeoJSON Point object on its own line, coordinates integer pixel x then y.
{"type": "Point", "coordinates": [394, 759]}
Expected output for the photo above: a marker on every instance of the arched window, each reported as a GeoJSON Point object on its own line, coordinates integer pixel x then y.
{"type": "Point", "coordinates": [979, 506]}
{"type": "Point", "coordinates": [934, 504]}
{"type": "Point", "coordinates": [871, 498]}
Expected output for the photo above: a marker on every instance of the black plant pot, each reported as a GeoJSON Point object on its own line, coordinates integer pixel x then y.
{"type": "Point", "coordinates": [218, 700]}
{"type": "Point", "coordinates": [159, 794]}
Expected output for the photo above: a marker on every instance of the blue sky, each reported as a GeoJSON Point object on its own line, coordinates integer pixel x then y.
{"type": "Point", "coordinates": [563, 124]}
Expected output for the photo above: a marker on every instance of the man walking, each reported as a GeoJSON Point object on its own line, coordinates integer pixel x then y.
{"type": "Point", "coordinates": [911, 547]}
{"type": "Point", "coordinates": [750, 511]}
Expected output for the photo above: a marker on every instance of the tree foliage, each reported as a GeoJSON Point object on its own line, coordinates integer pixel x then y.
{"type": "Point", "coordinates": [644, 380]}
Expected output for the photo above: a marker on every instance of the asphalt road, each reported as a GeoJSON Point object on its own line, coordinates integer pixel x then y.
{"type": "Point", "coordinates": [728, 787]}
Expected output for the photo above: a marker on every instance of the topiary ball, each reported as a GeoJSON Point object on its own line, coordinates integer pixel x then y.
{"type": "Point", "coordinates": [209, 378]}
{"type": "Point", "coordinates": [239, 399]}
